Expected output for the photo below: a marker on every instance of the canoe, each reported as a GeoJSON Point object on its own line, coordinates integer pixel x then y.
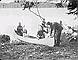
{"type": "Point", "coordinates": [33, 39]}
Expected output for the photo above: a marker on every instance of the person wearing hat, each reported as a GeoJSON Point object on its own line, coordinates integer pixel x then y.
{"type": "Point", "coordinates": [57, 32]}
{"type": "Point", "coordinates": [57, 28]}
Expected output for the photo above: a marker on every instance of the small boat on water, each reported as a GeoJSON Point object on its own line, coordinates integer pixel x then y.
{"type": "Point", "coordinates": [33, 39]}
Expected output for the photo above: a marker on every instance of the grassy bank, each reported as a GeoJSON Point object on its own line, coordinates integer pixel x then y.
{"type": "Point", "coordinates": [29, 51]}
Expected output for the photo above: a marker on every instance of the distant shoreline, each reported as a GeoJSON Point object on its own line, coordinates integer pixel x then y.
{"type": "Point", "coordinates": [19, 5]}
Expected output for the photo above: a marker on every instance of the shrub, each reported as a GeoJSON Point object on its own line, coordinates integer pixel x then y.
{"type": "Point", "coordinates": [4, 38]}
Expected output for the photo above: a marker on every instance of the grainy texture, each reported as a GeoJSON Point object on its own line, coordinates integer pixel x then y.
{"type": "Point", "coordinates": [29, 51]}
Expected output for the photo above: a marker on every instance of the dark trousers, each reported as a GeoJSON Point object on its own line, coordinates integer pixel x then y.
{"type": "Point", "coordinates": [57, 38]}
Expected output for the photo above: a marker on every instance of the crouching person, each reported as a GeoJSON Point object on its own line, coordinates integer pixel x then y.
{"type": "Point", "coordinates": [40, 33]}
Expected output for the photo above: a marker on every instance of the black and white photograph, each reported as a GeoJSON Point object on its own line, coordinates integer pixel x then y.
{"type": "Point", "coordinates": [38, 29]}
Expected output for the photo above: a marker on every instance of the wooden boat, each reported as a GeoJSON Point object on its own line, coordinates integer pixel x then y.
{"type": "Point", "coordinates": [33, 39]}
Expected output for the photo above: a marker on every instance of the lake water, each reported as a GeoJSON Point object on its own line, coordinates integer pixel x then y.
{"type": "Point", "coordinates": [9, 18]}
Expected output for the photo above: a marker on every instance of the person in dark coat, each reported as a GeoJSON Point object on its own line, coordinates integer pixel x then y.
{"type": "Point", "coordinates": [57, 32]}
{"type": "Point", "coordinates": [20, 29]}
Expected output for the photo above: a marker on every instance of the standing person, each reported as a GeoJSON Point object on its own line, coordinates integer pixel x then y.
{"type": "Point", "coordinates": [20, 29]}
{"type": "Point", "coordinates": [57, 32]}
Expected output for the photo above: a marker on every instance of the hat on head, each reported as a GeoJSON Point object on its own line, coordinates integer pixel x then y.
{"type": "Point", "coordinates": [48, 23]}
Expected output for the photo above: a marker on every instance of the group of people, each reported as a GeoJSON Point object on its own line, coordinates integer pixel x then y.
{"type": "Point", "coordinates": [51, 28]}
{"type": "Point", "coordinates": [54, 30]}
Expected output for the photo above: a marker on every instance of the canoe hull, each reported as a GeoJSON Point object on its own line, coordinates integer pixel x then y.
{"type": "Point", "coordinates": [31, 39]}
